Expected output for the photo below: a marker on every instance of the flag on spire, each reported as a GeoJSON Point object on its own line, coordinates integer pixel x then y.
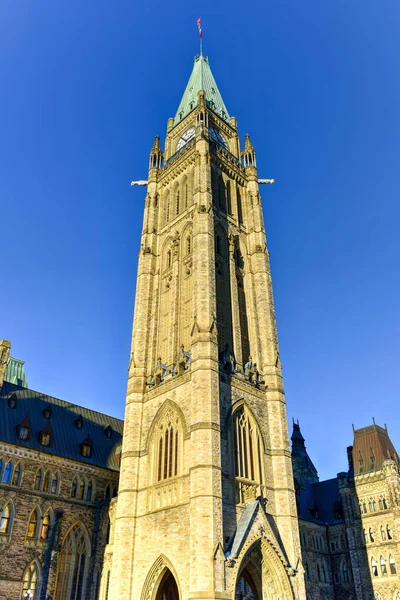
{"type": "Point", "coordinates": [199, 27]}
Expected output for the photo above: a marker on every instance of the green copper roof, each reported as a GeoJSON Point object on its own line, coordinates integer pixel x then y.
{"type": "Point", "coordinates": [201, 79]}
{"type": "Point", "coordinates": [15, 372]}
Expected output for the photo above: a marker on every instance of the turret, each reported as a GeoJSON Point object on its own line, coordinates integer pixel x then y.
{"type": "Point", "coordinates": [249, 154]}
{"type": "Point", "coordinates": [156, 155]}
{"type": "Point", "coordinates": [303, 468]}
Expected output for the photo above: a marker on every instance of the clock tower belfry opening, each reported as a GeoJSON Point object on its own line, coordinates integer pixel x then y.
{"type": "Point", "coordinates": [206, 496]}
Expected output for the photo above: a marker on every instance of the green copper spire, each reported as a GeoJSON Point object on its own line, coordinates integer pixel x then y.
{"type": "Point", "coordinates": [201, 79]}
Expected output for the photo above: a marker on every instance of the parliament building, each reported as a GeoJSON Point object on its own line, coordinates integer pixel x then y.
{"type": "Point", "coordinates": [198, 494]}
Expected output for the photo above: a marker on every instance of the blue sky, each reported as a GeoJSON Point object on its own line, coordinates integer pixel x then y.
{"type": "Point", "coordinates": [85, 86]}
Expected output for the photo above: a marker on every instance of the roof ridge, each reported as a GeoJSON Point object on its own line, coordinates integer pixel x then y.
{"type": "Point", "coordinates": [65, 402]}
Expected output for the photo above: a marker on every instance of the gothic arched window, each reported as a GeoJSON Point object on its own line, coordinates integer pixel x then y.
{"type": "Point", "coordinates": [389, 532]}
{"type": "Point", "coordinates": [167, 448]}
{"type": "Point", "coordinates": [38, 479]}
{"type": "Point", "coordinates": [345, 572]}
{"type": "Point", "coordinates": [89, 491]}
{"type": "Point", "coordinates": [30, 586]}
{"type": "Point", "coordinates": [74, 488]}
{"type": "Point", "coordinates": [383, 533]}
{"type": "Point", "coordinates": [81, 490]}
{"type": "Point", "coordinates": [392, 565]}
{"type": "Point", "coordinates": [44, 530]}
{"type": "Point", "coordinates": [383, 566]}
{"type": "Point", "coordinates": [248, 447]}
{"type": "Point", "coordinates": [73, 565]}
{"type": "Point", "coordinates": [16, 478]}
{"type": "Point", "coordinates": [46, 482]}
{"type": "Point", "coordinates": [374, 567]}
{"type": "Point", "coordinates": [7, 472]}
{"type": "Point", "coordinates": [33, 524]}
{"type": "Point", "coordinates": [371, 535]}
{"type": "Point", "coordinates": [54, 484]}
{"type": "Point", "coordinates": [6, 516]}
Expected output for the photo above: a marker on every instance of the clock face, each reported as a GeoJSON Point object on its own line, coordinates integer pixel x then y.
{"type": "Point", "coordinates": [216, 136]}
{"type": "Point", "coordinates": [185, 138]}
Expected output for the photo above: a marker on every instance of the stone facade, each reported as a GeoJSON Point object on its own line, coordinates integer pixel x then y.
{"type": "Point", "coordinates": [349, 526]}
{"type": "Point", "coordinates": [50, 496]}
{"type": "Point", "coordinates": [213, 509]}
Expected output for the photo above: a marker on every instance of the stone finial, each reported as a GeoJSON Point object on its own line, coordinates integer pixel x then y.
{"type": "Point", "coordinates": [248, 154]}
{"type": "Point", "coordinates": [5, 347]}
{"type": "Point", "coordinates": [156, 155]}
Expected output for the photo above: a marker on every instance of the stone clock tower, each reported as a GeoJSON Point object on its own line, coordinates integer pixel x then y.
{"type": "Point", "coordinates": [206, 506]}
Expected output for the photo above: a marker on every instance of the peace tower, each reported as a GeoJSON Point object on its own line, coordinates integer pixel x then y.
{"type": "Point", "coordinates": [206, 505]}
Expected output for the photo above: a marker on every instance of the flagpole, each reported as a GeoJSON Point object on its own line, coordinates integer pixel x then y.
{"type": "Point", "coordinates": [200, 35]}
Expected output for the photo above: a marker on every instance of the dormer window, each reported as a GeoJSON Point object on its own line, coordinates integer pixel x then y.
{"type": "Point", "coordinates": [86, 447]}
{"type": "Point", "coordinates": [23, 429]}
{"type": "Point", "coordinates": [108, 432]}
{"type": "Point", "coordinates": [12, 401]}
{"type": "Point", "coordinates": [45, 435]}
{"type": "Point", "coordinates": [44, 439]}
{"type": "Point", "coordinates": [47, 412]}
{"type": "Point", "coordinates": [79, 422]}
{"type": "Point", "coordinates": [23, 433]}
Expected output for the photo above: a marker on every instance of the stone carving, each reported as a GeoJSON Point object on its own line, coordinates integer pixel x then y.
{"type": "Point", "coordinates": [227, 359]}
{"type": "Point", "coordinates": [183, 360]}
{"type": "Point", "coordinates": [160, 372]}
{"type": "Point", "coordinates": [251, 373]}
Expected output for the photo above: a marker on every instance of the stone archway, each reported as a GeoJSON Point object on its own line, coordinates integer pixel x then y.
{"type": "Point", "coordinates": [168, 589]}
{"type": "Point", "coordinates": [246, 588]}
{"type": "Point", "coordinates": [262, 575]}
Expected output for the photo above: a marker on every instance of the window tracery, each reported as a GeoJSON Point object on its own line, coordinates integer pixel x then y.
{"type": "Point", "coordinates": [73, 565]}
{"type": "Point", "coordinates": [248, 447]}
{"type": "Point", "coordinates": [168, 446]}
{"type": "Point", "coordinates": [30, 587]}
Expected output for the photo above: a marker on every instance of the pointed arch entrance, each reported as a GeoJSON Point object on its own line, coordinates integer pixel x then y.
{"type": "Point", "coordinates": [262, 574]}
{"type": "Point", "coordinates": [167, 590]}
{"type": "Point", "coordinates": [246, 588]}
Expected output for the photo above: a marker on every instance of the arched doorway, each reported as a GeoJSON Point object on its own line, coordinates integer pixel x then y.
{"type": "Point", "coordinates": [245, 587]}
{"type": "Point", "coordinates": [167, 590]}
{"type": "Point", "coordinates": [262, 575]}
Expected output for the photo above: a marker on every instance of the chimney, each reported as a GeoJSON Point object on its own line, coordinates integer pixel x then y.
{"type": "Point", "coordinates": [4, 355]}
